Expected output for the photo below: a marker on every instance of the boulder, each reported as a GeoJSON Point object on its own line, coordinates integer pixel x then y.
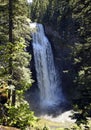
{"type": "Point", "coordinates": [7, 128]}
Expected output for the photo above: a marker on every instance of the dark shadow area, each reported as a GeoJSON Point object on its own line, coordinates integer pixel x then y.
{"type": "Point", "coordinates": [32, 96]}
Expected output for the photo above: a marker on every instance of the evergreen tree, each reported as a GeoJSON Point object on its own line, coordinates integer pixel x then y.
{"type": "Point", "coordinates": [72, 17]}
{"type": "Point", "coordinates": [14, 61]}
{"type": "Point", "coordinates": [3, 21]}
{"type": "Point", "coordinates": [15, 54]}
{"type": "Point", "coordinates": [38, 9]}
{"type": "Point", "coordinates": [82, 14]}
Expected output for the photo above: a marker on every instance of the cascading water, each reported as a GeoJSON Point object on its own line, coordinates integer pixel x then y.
{"type": "Point", "coordinates": [47, 77]}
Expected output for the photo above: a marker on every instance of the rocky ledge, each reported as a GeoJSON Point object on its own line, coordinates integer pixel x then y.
{"type": "Point", "coordinates": [7, 128]}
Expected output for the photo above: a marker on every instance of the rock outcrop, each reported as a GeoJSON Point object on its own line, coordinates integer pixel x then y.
{"type": "Point", "coordinates": [7, 128]}
{"type": "Point", "coordinates": [63, 60]}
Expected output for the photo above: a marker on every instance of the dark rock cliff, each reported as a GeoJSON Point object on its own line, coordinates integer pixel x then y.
{"type": "Point", "coordinates": [62, 50]}
{"type": "Point", "coordinates": [62, 43]}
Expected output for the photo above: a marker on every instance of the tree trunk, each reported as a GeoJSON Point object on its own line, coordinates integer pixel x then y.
{"type": "Point", "coordinates": [13, 97]}
{"type": "Point", "coordinates": [11, 41]}
{"type": "Point", "coordinates": [10, 21]}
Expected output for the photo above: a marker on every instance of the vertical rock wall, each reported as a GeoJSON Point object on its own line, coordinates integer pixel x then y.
{"type": "Point", "coordinates": [62, 53]}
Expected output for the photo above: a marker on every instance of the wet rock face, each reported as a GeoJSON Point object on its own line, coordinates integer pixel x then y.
{"type": "Point", "coordinates": [61, 51]}
{"type": "Point", "coordinates": [60, 42]}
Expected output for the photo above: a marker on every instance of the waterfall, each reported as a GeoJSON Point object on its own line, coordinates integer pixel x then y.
{"type": "Point", "coordinates": [47, 77]}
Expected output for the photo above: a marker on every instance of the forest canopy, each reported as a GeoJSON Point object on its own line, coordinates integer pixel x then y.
{"type": "Point", "coordinates": [15, 75]}
{"type": "Point", "coordinates": [70, 19]}
{"type": "Point", "coordinates": [73, 18]}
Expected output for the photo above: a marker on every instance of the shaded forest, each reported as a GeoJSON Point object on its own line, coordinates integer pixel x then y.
{"type": "Point", "coordinates": [72, 22]}
{"type": "Point", "coordinates": [71, 19]}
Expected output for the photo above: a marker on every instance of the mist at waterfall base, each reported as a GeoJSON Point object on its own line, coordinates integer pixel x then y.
{"type": "Point", "coordinates": [48, 98]}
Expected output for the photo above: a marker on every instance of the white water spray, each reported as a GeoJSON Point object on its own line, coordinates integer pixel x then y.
{"type": "Point", "coordinates": [47, 77]}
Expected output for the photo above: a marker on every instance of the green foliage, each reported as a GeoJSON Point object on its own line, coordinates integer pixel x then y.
{"type": "Point", "coordinates": [16, 51]}
{"type": "Point", "coordinates": [81, 13]}
{"type": "Point", "coordinates": [38, 9]}
{"type": "Point", "coordinates": [14, 64]}
{"type": "Point", "coordinates": [20, 61]}
{"type": "Point", "coordinates": [14, 56]}
{"type": "Point", "coordinates": [82, 127]}
{"type": "Point", "coordinates": [3, 21]}
{"type": "Point", "coordinates": [44, 128]}
{"type": "Point", "coordinates": [19, 116]}
{"type": "Point", "coordinates": [72, 17]}
{"type": "Point", "coordinates": [83, 107]}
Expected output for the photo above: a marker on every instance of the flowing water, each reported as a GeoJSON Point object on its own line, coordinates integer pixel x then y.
{"type": "Point", "coordinates": [47, 77]}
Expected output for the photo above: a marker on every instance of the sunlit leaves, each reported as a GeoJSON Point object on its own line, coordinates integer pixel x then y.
{"type": "Point", "coordinates": [20, 116]}
{"type": "Point", "coordinates": [81, 73]}
{"type": "Point", "coordinates": [14, 64]}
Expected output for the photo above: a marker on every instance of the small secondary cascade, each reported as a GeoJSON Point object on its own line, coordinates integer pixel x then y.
{"type": "Point", "coordinates": [47, 77]}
